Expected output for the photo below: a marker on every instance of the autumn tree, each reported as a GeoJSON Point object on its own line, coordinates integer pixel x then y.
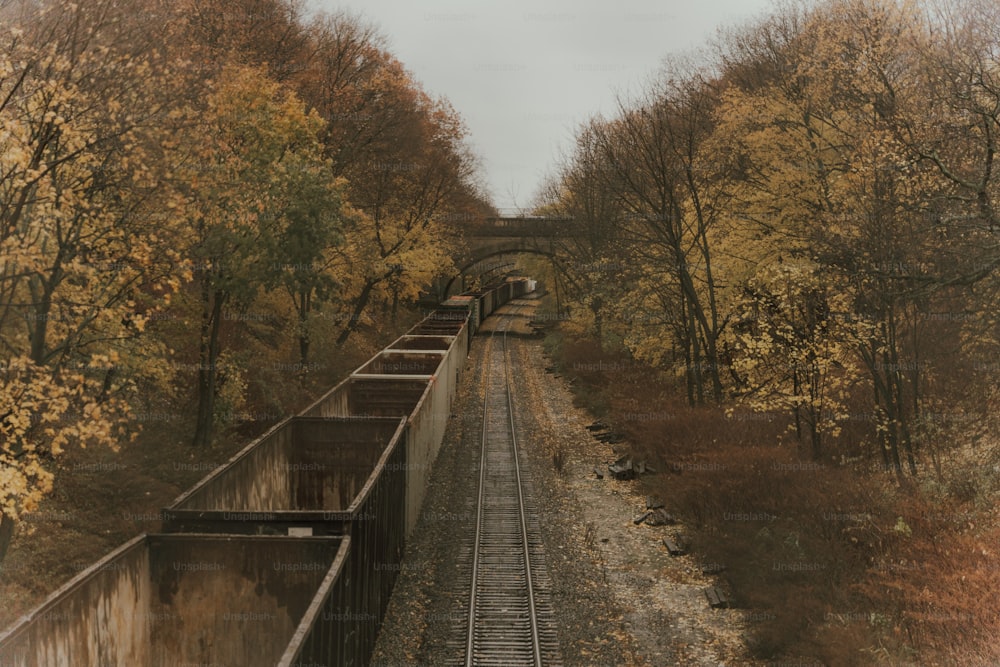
{"type": "Point", "coordinates": [668, 194]}
{"type": "Point", "coordinates": [263, 33]}
{"type": "Point", "coordinates": [794, 351]}
{"type": "Point", "coordinates": [590, 256]}
{"type": "Point", "coordinates": [345, 79]}
{"type": "Point", "coordinates": [86, 250]}
{"type": "Point", "coordinates": [318, 218]}
{"type": "Point", "coordinates": [956, 136]}
{"type": "Point", "coordinates": [404, 159]}
{"type": "Point", "coordinates": [826, 178]}
{"type": "Point", "coordinates": [260, 197]}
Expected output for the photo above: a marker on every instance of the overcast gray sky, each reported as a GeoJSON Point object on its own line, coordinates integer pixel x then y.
{"type": "Point", "coordinates": [523, 74]}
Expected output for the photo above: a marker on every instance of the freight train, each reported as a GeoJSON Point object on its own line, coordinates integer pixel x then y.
{"type": "Point", "coordinates": [288, 553]}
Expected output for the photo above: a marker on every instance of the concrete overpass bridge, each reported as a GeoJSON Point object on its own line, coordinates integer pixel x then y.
{"type": "Point", "coordinates": [492, 244]}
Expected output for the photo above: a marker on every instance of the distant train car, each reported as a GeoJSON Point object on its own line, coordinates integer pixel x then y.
{"type": "Point", "coordinates": [521, 286]}
{"type": "Point", "coordinates": [484, 301]}
{"type": "Point", "coordinates": [464, 303]}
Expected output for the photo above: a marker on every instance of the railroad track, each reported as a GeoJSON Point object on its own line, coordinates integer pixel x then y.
{"type": "Point", "coordinates": [509, 620]}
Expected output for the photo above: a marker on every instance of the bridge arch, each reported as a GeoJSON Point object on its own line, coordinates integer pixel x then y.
{"type": "Point", "coordinates": [505, 235]}
{"type": "Point", "coordinates": [482, 257]}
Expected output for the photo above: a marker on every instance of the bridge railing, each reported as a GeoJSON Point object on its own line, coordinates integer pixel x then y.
{"type": "Point", "coordinates": [535, 226]}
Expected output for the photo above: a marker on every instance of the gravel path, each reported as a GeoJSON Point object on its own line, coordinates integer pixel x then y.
{"type": "Point", "coordinates": [619, 598]}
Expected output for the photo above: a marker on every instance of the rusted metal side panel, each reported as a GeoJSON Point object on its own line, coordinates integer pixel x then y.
{"type": "Point", "coordinates": [425, 433]}
{"type": "Point", "coordinates": [451, 370]}
{"type": "Point", "coordinates": [464, 338]}
{"type": "Point", "coordinates": [330, 461]}
{"type": "Point", "coordinates": [331, 404]}
{"type": "Point", "coordinates": [101, 617]}
{"type": "Point", "coordinates": [166, 600]}
{"type": "Point", "coordinates": [235, 600]}
{"type": "Point", "coordinates": [460, 348]}
{"type": "Point", "coordinates": [218, 603]}
{"type": "Point", "coordinates": [394, 362]}
{"type": "Point", "coordinates": [419, 442]}
{"type": "Point", "coordinates": [385, 397]}
{"type": "Point", "coordinates": [309, 465]}
{"type": "Point", "coordinates": [258, 480]}
{"type": "Point", "coordinates": [422, 343]}
{"type": "Point", "coordinates": [489, 302]}
{"type": "Point", "coordinates": [328, 633]}
{"type": "Point", "coordinates": [378, 533]}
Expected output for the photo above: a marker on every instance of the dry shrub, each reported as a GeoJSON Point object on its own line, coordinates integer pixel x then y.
{"type": "Point", "coordinates": [832, 564]}
{"type": "Point", "coordinates": [941, 576]}
{"type": "Point", "coordinates": [593, 371]}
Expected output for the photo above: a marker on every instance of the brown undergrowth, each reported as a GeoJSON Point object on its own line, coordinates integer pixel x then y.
{"type": "Point", "coordinates": [833, 564]}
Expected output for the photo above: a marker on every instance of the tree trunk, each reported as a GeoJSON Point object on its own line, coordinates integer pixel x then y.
{"type": "Point", "coordinates": [211, 323]}
{"type": "Point", "coordinates": [815, 408]}
{"type": "Point", "coordinates": [39, 332]}
{"type": "Point", "coordinates": [303, 349]}
{"type": "Point", "coordinates": [797, 410]}
{"type": "Point", "coordinates": [712, 330]}
{"type": "Point", "coordinates": [696, 319]}
{"type": "Point", "coordinates": [6, 534]}
{"type": "Point", "coordinates": [304, 304]}
{"type": "Point", "coordinates": [815, 436]}
{"type": "Point", "coordinates": [595, 308]}
{"type": "Point", "coordinates": [683, 335]}
{"type": "Point", "coordinates": [696, 362]}
{"type": "Point", "coordinates": [359, 307]}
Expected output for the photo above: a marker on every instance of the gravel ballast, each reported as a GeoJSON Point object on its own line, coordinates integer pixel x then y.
{"type": "Point", "coordinates": [619, 598]}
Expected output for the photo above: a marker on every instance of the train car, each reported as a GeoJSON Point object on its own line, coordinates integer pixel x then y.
{"type": "Point", "coordinates": [403, 362]}
{"type": "Point", "coordinates": [464, 303]}
{"type": "Point", "coordinates": [315, 476]}
{"type": "Point", "coordinates": [498, 296]}
{"type": "Point", "coordinates": [439, 326]}
{"type": "Point", "coordinates": [505, 289]}
{"type": "Point", "coordinates": [448, 322]}
{"type": "Point", "coordinates": [451, 366]}
{"type": "Point", "coordinates": [521, 286]}
{"type": "Point", "coordinates": [487, 303]}
{"type": "Point", "coordinates": [416, 389]}
{"type": "Point", "coordinates": [407, 342]}
{"type": "Point", "coordinates": [163, 600]}
{"type": "Point", "coordinates": [352, 468]}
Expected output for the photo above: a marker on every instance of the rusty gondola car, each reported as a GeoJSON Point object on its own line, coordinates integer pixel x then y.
{"type": "Point", "coordinates": [164, 600]}
{"type": "Point", "coordinates": [349, 471]}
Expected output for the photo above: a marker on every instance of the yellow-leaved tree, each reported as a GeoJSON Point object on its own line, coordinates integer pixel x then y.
{"type": "Point", "coordinates": [263, 209]}
{"type": "Point", "coordinates": [793, 349]}
{"type": "Point", "coordinates": [408, 170]}
{"type": "Point", "coordinates": [86, 254]}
